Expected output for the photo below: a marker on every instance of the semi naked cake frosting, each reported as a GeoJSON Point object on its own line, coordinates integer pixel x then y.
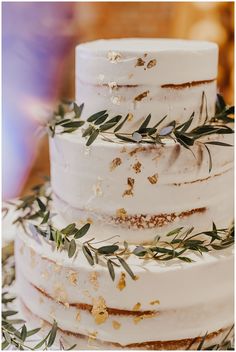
{"type": "Point", "coordinates": [134, 192]}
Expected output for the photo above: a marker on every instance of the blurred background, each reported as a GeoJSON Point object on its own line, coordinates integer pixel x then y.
{"type": "Point", "coordinates": [38, 41]}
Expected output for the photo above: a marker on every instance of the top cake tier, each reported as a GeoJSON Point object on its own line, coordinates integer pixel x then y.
{"type": "Point", "coordinates": [142, 76]}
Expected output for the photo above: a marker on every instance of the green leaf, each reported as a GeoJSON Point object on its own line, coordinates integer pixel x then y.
{"type": "Point", "coordinates": [210, 158]}
{"type": "Point", "coordinates": [41, 205]}
{"type": "Point", "coordinates": [101, 119]}
{"type": "Point", "coordinates": [82, 231]}
{"type": "Point", "coordinates": [126, 267]}
{"type": "Point", "coordinates": [23, 334]}
{"type": "Point", "coordinates": [33, 332]}
{"type": "Point", "coordinates": [230, 111]}
{"type": "Point", "coordinates": [88, 254]}
{"type": "Point", "coordinates": [52, 335]}
{"type": "Point", "coordinates": [121, 124]}
{"type": "Point", "coordinates": [184, 139]}
{"type": "Point", "coordinates": [108, 249]}
{"type": "Point", "coordinates": [92, 138]}
{"type": "Point", "coordinates": [174, 232]}
{"type": "Point", "coordinates": [97, 115]}
{"type": "Point", "coordinates": [159, 122]}
{"type": "Point", "coordinates": [5, 344]}
{"type": "Point", "coordinates": [107, 126]}
{"type": "Point", "coordinates": [46, 218]}
{"type": "Point", "coordinates": [115, 119]}
{"type": "Point", "coordinates": [219, 143]}
{"type": "Point", "coordinates": [71, 347]}
{"type": "Point", "coordinates": [73, 124]}
{"type": "Point", "coordinates": [111, 269]}
{"type": "Point", "coordinates": [200, 346]}
{"type": "Point", "coordinates": [88, 131]}
{"type": "Point", "coordinates": [68, 230]}
{"type": "Point", "coordinates": [185, 259]}
{"type": "Point", "coordinates": [78, 110]}
{"type": "Point", "coordinates": [220, 103]}
{"type": "Point", "coordinates": [185, 126]}
{"type": "Point", "coordinates": [72, 248]}
{"type": "Point", "coordinates": [124, 138]}
{"type": "Point", "coordinates": [145, 123]}
{"type": "Point", "coordinates": [9, 313]}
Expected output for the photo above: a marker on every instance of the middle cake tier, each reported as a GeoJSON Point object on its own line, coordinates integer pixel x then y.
{"type": "Point", "coordinates": [138, 191]}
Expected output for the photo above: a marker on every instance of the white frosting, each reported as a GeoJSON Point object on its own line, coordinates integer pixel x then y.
{"type": "Point", "coordinates": [194, 297]}
{"type": "Point", "coordinates": [87, 185]}
{"type": "Point", "coordinates": [108, 77]}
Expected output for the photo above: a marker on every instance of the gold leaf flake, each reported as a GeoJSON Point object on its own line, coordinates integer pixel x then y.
{"type": "Point", "coordinates": [152, 63]}
{"type": "Point", "coordinates": [153, 179]}
{"type": "Point", "coordinates": [99, 310]}
{"type": "Point", "coordinates": [60, 293]}
{"type": "Point", "coordinates": [78, 316]}
{"type": "Point", "coordinates": [93, 278]}
{"type": "Point", "coordinates": [121, 213]}
{"type": "Point", "coordinates": [140, 62]}
{"type": "Point", "coordinates": [136, 307]}
{"type": "Point", "coordinates": [129, 191]}
{"type": "Point", "coordinates": [115, 163]}
{"type": "Point", "coordinates": [92, 336]}
{"type": "Point", "coordinates": [141, 96]}
{"type": "Point", "coordinates": [122, 282]}
{"type": "Point", "coordinates": [155, 302]}
{"type": "Point", "coordinates": [137, 167]}
{"type": "Point", "coordinates": [73, 277]}
{"type": "Point", "coordinates": [116, 325]}
{"type": "Point", "coordinates": [130, 117]}
{"type": "Point", "coordinates": [113, 56]}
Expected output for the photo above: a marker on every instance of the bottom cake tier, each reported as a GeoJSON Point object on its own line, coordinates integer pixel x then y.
{"type": "Point", "coordinates": [166, 306]}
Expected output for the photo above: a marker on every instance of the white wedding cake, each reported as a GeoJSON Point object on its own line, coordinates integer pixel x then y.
{"type": "Point", "coordinates": [133, 195]}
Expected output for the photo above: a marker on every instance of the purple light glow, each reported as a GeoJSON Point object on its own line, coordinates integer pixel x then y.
{"type": "Point", "coordinates": [36, 39]}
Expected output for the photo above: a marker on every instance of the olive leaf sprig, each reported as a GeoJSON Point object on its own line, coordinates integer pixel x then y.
{"type": "Point", "coordinates": [41, 195]}
{"type": "Point", "coordinates": [15, 332]}
{"type": "Point", "coordinates": [101, 124]}
{"type": "Point", "coordinates": [182, 241]}
{"type": "Point", "coordinates": [181, 244]}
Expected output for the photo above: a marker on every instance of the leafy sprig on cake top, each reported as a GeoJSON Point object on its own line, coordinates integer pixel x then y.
{"type": "Point", "coordinates": [67, 119]}
{"type": "Point", "coordinates": [178, 244]}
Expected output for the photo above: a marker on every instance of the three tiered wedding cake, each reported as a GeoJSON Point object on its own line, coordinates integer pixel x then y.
{"type": "Point", "coordinates": [153, 201]}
